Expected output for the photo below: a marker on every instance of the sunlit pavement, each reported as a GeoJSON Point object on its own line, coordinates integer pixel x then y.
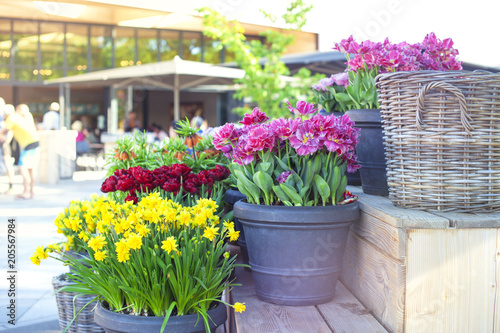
{"type": "Point", "coordinates": [36, 309]}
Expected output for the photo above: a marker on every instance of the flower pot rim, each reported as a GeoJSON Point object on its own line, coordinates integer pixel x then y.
{"type": "Point", "coordinates": [136, 323]}
{"type": "Point", "coordinates": [244, 201]}
{"type": "Point", "coordinates": [297, 215]}
{"type": "Point", "coordinates": [364, 110]}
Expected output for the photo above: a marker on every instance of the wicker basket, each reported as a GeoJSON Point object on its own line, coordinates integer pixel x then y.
{"type": "Point", "coordinates": [85, 321]}
{"type": "Point", "coordinates": [442, 139]}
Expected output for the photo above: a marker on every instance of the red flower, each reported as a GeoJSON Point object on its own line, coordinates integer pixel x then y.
{"type": "Point", "coordinates": [160, 179]}
{"type": "Point", "coordinates": [163, 170]}
{"type": "Point", "coordinates": [192, 183]}
{"type": "Point", "coordinates": [109, 185]}
{"type": "Point", "coordinates": [126, 184]}
{"type": "Point", "coordinates": [141, 175]}
{"type": "Point", "coordinates": [121, 173]}
{"type": "Point", "coordinates": [132, 198]}
{"type": "Point", "coordinates": [172, 185]}
{"type": "Point", "coordinates": [219, 173]}
{"type": "Point", "coordinates": [179, 170]}
{"type": "Point", "coordinates": [206, 178]}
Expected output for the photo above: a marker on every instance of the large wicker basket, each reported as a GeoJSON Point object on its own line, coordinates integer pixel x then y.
{"type": "Point", "coordinates": [85, 322]}
{"type": "Point", "coordinates": [442, 139]}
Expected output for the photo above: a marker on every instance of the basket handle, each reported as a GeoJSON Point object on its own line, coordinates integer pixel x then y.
{"type": "Point", "coordinates": [464, 116]}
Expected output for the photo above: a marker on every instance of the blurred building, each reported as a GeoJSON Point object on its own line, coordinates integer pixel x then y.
{"type": "Point", "coordinates": [41, 40]}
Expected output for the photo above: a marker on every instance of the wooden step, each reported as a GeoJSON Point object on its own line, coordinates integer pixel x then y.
{"type": "Point", "coordinates": [343, 314]}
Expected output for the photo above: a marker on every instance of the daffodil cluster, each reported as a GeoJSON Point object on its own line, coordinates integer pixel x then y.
{"type": "Point", "coordinates": [124, 227]}
{"type": "Point", "coordinates": [153, 255]}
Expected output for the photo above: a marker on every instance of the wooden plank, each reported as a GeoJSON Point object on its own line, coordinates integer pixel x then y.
{"type": "Point", "coordinates": [265, 317]}
{"type": "Point", "coordinates": [383, 209]}
{"type": "Point", "coordinates": [451, 284]}
{"type": "Point", "coordinates": [376, 279]}
{"type": "Point", "coordinates": [344, 314]}
{"type": "Point", "coordinates": [467, 221]}
{"type": "Point", "coordinates": [496, 318]}
{"type": "Point", "coordinates": [380, 234]}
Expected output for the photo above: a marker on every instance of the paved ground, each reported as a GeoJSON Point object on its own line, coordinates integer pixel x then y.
{"type": "Point", "coordinates": [36, 309]}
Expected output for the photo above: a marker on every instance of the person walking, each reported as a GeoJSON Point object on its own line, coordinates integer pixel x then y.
{"type": "Point", "coordinates": [25, 133]}
{"type": "Point", "coordinates": [6, 147]}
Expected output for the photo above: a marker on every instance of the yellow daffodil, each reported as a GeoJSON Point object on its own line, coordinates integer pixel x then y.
{"type": "Point", "coordinates": [210, 233]}
{"type": "Point", "coordinates": [100, 255]}
{"type": "Point", "coordinates": [134, 241]}
{"type": "Point", "coordinates": [169, 245]}
{"type": "Point", "coordinates": [41, 253]}
{"type": "Point", "coordinates": [84, 236]}
{"type": "Point", "coordinates": [34, 259]}
{"type": "Point", "coordinates": [239, 307]}
{"type": "Point", "coordinates": [142, 230]}
{"type": "Point", "coordinates": [97, 243]}
{"type": "Point", "coordinates": [233, 235]}
{"type": "Point", "coordinates": [122, 250]}
{"type": "Point", "coordinates": [228, 225]}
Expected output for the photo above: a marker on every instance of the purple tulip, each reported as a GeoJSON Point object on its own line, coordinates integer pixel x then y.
{"type": "Point", "coordinates": [302, 108]}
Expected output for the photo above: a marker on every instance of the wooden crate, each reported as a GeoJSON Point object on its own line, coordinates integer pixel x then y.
{"type": "Point", "coordinates": [425, 272]}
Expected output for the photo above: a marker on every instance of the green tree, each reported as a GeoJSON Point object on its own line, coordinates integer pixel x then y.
{"type": "Point", "coordinates": [264, 84]}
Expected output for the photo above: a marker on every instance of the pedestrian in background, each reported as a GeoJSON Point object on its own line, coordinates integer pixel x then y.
{"type": "Point", "coordinates": [6, 146]}
{"type": "Point", "coordinates": [51, 120]}
{"type": "Point", "coordinates": [25, 133]}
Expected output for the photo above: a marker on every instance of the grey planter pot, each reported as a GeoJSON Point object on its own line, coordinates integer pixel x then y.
{"type": "Point", "coordinates": [113, 322]}
{"type": "Point", "coordinates": [77, 255]}
{"type": "Point", "coordinates": [296, 253]}
{"type": "Point", "coordinates": [231, 197]}
{"type": "Point", "coordinates": [370, 151]}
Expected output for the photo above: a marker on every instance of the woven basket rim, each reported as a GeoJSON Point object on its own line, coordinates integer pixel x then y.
{"type": "Point", "coordinates": [448, 74]}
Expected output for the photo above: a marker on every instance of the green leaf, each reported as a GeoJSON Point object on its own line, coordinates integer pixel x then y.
{"type": "Point", "coordinates": [341, 189]}
{"type": "Point", "coordinates": [264, 166]}
{"type": "Point", "coordinates": [303, 191]}
{"type": "Point", "coordinates": [265, 183]}
{"type": "Point", "coordinates": [252, 190]}
{"type": "Point", "coordinates": [308, 173]}
{"type": "Point", "coordinates": [323, 188]}
{"type": "Point", "coordinates": [280, 193]}
{"type": "Point", "coordinates": [296, 180]}
{"type": "Point", "coordinates": [342, 98]}
{"type": "Point", "coordinates": [282, 164]}
{"type": "Point", "coordinates": [334, 182]}
{"type": "Point", "coordinates": [292, 194]}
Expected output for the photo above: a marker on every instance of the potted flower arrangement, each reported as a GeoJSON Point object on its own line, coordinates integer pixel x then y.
{"type": "Point", "coordinates": [292, 173]}
{"type": "Point", "coordinates": [366, 60]}
{"type": "Point", "coordinates": [71, 223]}
{"type": "Point", "coordinates": [156, 265]}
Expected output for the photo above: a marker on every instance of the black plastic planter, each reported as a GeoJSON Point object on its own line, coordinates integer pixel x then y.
{"type": "Point", "coordinates": [231, 197]}
{"type": "Point", "coordinates": [113, 322]}
{"type": "Point", "coordinates": [370, 151]}
{"type": "Point", "coordinates": [296, 252]}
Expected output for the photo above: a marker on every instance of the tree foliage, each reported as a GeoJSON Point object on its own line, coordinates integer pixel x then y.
{"type": "Point", "coordinates": [263, 83]}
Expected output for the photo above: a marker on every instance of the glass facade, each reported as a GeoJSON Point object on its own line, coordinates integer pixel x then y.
{"type": "Point", "coordinates": [77, 47]}
{"type": "Point", "coordinates": [33, 51]}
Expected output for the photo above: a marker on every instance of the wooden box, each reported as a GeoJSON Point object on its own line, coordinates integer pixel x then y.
{"type": "Point", "coordinates": [425, 272]}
